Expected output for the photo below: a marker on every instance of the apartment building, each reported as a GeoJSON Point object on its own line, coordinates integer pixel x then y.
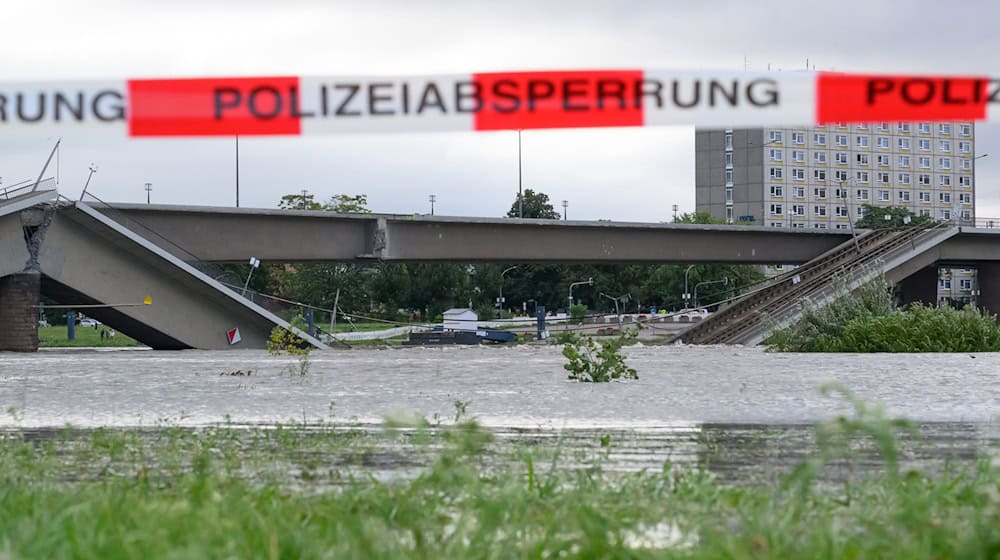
{"type": "Point", "coordinates": [820, 177]}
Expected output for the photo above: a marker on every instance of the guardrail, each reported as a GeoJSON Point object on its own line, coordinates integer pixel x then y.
{"type": "Point", "coordinates": [24, 187]}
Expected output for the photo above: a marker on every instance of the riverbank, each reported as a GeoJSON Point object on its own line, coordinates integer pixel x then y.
{"type": "Point", "coordinates": [456, 491]}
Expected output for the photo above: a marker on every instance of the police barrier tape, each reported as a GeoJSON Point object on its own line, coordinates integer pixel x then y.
{"type": "Point", "coordinates": [285, 105]}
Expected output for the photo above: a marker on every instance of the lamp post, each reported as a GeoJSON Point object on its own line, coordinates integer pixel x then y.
{"type": "Point", "coordinates": [254, 264]}
{"type": "Point", "coordinates": [149, 188]}
{"type": "Point", "coordinates": [687, 296]}
{"type": "Point", "coordinates": [565, 203]}
{"type": "Point", "coordinates": [500, 300]}
{"type": "Point", "coordinates": [724, 282]}
{"type": "Point", "coordinates": [850, 218]}
{"type": "Point", "coordinates": [520, 193]}
{"type": "Point", "coordinates": [433, 199]}
{"type": "Point", "coordinates": [675, 212]}
{"type": "Point", "coordinates": [588, 281]}
{"type": "Point", "coordinates": [618, 312]}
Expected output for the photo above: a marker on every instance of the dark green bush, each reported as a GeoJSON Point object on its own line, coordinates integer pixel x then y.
{"type": "Point", "coordinates": [918, 329]}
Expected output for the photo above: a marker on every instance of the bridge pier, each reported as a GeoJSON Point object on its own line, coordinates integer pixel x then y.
{"type": "Point", "coordinates": [920, 286]}
{"type": "Point", "coordinates": [19, 299]}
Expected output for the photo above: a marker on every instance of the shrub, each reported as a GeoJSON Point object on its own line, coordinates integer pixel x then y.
{"type": "Point", "coordinates": [577, 312]}
{"type": "Point", "coordinates": [285, 341]}
{"type": "Point", "coordinates": [920, 328]}
{"type": "Point", "coordinates": [591, 364]}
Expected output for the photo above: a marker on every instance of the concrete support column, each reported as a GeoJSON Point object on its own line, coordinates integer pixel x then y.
{"type": "Point", "coordinates": [919, 287]}
{"type": "Point", "coordinates": [19, 297]}
{"type": "Point", "coordinates": [988, 284]}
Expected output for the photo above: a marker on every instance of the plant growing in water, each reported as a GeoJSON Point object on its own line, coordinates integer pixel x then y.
{"type": "Point", "coordinates": [284, 341]}
{"type": "Point", "coordinates": [598, 362]}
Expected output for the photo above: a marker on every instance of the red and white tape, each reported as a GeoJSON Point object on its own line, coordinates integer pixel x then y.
{"type": "Point", "coordinates": [275, 105]}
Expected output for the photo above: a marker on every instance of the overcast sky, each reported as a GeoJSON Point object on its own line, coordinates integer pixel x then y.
{"type": "Point", "coordinates": [622, 174]}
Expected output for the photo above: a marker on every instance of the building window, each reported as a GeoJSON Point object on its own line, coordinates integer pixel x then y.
{"type": "Point", "coordinates": [777, 190]}
{"type": "Point", "coordinates": [729, 159]}
{"type": "Point", "coordinates": [799, 209]}
{"type": "Point", "coordinates": [944, 146]}
{"type": "Point", "coordinates": [841, 158]}
{"type": "Point", "coordinates": [729, 141]}
{"type": "Point", "coordinates": [819, 192]}
{"type": "Point", "coordinates": [799, 192]}
{"type": "Point", "coordinates": [944, 128]}
{"type": "Point", "coordinates": [840, 139]}
{"type": "Point", "coordinates": [861, 127]}
{"type": "Point", "coordinates": [925, 162]}
{"type": "Point", "coordinates": [904, 143]}
{"type": "Point", "coordinates": [965, 163]}
{"type": "Point", "coordinates": [840, 194]}
{"type": "Point", "coordinates": [924, 128]}
{"type": "Point", "coordinates": [819, 139]}
{"type": "Point", "coordinates": [799, 137]}
{"type": "Point", "coordinates": [965, 198]}
{"type": "Point", "coordinates": [883, 177]}
{"type": "Point", "coordinates": [924, 144]}
{"type": "Point", "coordinates": [926, 212]}
{"type": "Point", "coordinates": [944, 163]}
{"type": "Point", "coordinates": [861, 141]}
{"type": "Point", "coordinates": [860, 211]}
{"type": "Point", "coordinates": [965, 147]}
{"type": "Point", "coordinates": [965, 129]}
{"type": "Point", "coordinates": [904, 161]}
{"type": "Point", "coordinates": [904, 127]}
{"type": "Point", "coordinates": [944, 283]}
{"type": "Point", "coordinates": [799, 225]}
{"type": "Point", "coordinates": [966, 214]}
{"type": "Point", "coordinates": [945, 197]}
{"type": "Point", "coordinates": [819, 210]}
{"type": "Point", "coordinates": [799, 156]}
{"type": "Point", "coordinates": [729, 177]}
{"type": "Point", "coordinates": [883, 142]}
{"type": "Point", "coordinates": [819, 157]}
{"type": "Point", "coordinates": [883, 127]}
{"type": "Point", "coordinates": [924, 196]}
{"type": "Point", "coordinates": [861, 176]}
{"type": "Point", "coordinates": [965, 284]}
{"type": "Point", "coordinates": [729, 214]}
{"type": "Point", "coordinates": [799, 174]}
{"type": "Point", "coordinates": [776, 173]}
{"type": "Point", "coordinates": [729, 195]}
{"type": "Point", "coordinates": [819, 226]}
{"type": "Point", "coordinates": [841, 211]}
{"type": "Point", "coordinates": [840, 226]}
{"type": "Point", "coordinates": [840, 175]}
{"type": "Point", "coordinates": [819, 174]}
{"type": "Point", "coordinates": [924, 180]}
{"type": "Point", "coordinates": [964, 181]}
{"type": "Point", "coordinates": [776, 136]}
{"type": "Point", "coordinates": [944, 180]}
{"type": "Point", "coordinates": [863, 159]}
{"type": "Point", "coordinates": [777, 155]}
{"type": "Point", "coordinates": [946, 214]}
{"type": "Point", "coordinates": [883, 196]}
{"type": "Point", "coordinates": [903, 179]}
{"type": "Point", "coordinates": [777, 210]}
{"type": "Point", "coordinates": [882, 160]}
{"type": "Point", "coordinates": [777, 224]}
{"type": "Point", "coordinates": [904, 196]}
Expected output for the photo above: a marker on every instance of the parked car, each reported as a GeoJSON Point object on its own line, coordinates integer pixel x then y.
{"type": "Point", "coordinates": [89, 322]}
{"type": "Point", "coordinates": [43, 323]}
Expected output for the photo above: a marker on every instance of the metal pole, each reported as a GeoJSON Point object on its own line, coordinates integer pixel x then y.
{"type": "Point", "coordinates": [71, 325]}
{"type": "Point", "coordinates": [333, 315]}
{"type": "Point", "coordinates": [149, 188]}
{"type": "Point", "coordinates": [93, 169]}
{"type": "Point", "coordinates": [237, 171]}
{"type": "Point", "coordinates": [520, 194]}
{"type": "Point", "coordinates": [46, 166]}
{"type": "Point", "coordinates": [686, 295]}
{"type": "Point", "coordinates": [850, 221]}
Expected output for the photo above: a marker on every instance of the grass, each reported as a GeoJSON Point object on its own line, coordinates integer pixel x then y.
{"type": "Point", "coordinates": [55, 337]}
{"type": "Point", "coordinates": [323, 492]}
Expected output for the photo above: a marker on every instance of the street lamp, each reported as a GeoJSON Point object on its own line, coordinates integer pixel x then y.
{"type": "Point", "coordinates": [149, 188]}
{"type": "Point", "coordinates": [618, 312]}
{"type": "Point", "coordinates": [675, 212]}
{"type": "Point", "coordinates": [520, 193]}
{"type": "Point", "coordinates": [565, 203]}
{"type": "Point", "coordinates": [724, 282]}
{"type": "Point", "coordinates": [687, 296]}
{"type": "Point", "coordinates": [500, 300]}
{"type": "Point", "coordinates": [588, 281]}
{"type": "Point", "coordinates": [432, 198]}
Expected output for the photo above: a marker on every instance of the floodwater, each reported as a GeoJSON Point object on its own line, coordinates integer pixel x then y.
{"type": "Point", "coordinates": [750, 406]}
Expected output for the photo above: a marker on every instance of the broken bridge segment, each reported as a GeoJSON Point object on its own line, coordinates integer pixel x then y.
{"type": "Point", "coordinates": [89, 258]}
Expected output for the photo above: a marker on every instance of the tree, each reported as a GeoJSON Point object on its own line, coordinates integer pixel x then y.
{"type": "Point", "coordinates": [536, 205]}
{"type": "Point", "coordinates": [303, 201]}
{"type": "Point", "coordinates": [342, 203]}
{"type": "Point", "coordinates": [698, 218]}
{"type": "Point", "coordinates": [874, 218]}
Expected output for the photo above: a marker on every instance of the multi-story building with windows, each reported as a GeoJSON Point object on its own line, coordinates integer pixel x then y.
{"type": "Point", "coordinates": [821, 177]}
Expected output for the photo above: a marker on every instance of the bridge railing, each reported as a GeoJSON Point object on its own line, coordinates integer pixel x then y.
{"type": "Point", "coordinates": [986, 223]}
{"type": "Point", "coordinates": [25, 187]}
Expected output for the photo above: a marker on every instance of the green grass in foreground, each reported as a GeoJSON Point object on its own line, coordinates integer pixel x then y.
{"type": "Point", "coordinates": [85, 336]}
{"type": "Point", "coordinates": [275, 493]}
